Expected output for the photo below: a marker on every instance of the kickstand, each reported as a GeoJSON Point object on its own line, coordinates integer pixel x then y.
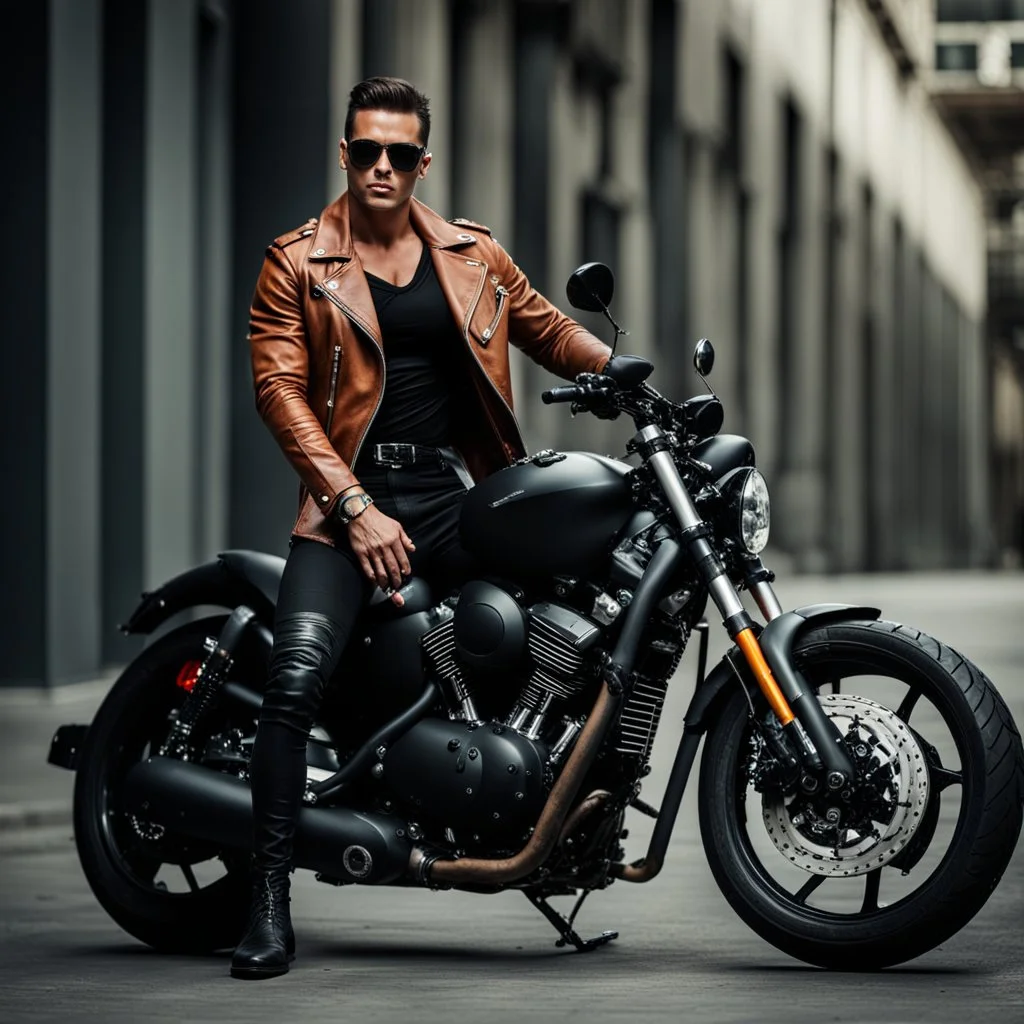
{"type": "Point", "coordinates": [564, 926]}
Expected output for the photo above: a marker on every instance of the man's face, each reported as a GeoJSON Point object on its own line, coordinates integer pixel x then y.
{"type": "Point", "coordinates": [381, 187]}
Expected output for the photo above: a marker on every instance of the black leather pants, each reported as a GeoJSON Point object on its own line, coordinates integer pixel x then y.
{"type": "Point", "coordinates": [322, 593]}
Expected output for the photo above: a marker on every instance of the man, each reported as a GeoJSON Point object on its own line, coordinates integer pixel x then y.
{"type": "Point", "coordinates": [379, 337]}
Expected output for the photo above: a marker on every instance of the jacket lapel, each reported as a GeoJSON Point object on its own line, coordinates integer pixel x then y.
{"type": "Point", "coordinates": [337, 270]}
{"type": "Point", "coordinates": [461, 277]}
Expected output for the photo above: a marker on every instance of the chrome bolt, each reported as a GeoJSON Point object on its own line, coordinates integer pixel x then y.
{"type": "Point", "coordinates": [836, 780]}
{"type": "Point", "coordinates": [832, 815]}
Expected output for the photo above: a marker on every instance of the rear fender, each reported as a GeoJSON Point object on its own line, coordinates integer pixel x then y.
{"type": "Point", "coordinates": [233, 578]}
{"type": "Point", "coordinates": [713, 694]}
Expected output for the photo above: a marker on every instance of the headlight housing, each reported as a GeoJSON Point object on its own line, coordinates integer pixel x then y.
{"type": "Point", "coordinates": [748, 511]}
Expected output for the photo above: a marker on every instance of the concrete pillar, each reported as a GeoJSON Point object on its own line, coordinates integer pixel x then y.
{"type": "Point", "coordinates": [483, 109]}
{"type": "Point", "coordinates": [49, 392]}
{"type": "Point", "coordinates": [123, 358]}
{"type": "Point", "coordinates": [629, 135]}
{"type": "Point", "coordinates": [422, 56]}
{"type": "Point", "coordinates": [535, 59]}
{"type": "Point", "coordinates": [170, 320]}
{"type": "Point", "coordinates": [800, 503]}
{"type": "Point", "coordinates": [214, 260]}
{"type": "Point", "coordinates": [72, 385]}
{"type": "Point", "coordinates": [345, 70]}
{"type": "Point", "coordinates": [976, 410]}
{"type": "Point", "coordinates": [667, 208]}
{"type": "Point", "coordinates": [482, 106]}
{"type": "Point", "coordinates": [884, 387]}
{"type": "Point", "coordinates": [929, 431]}
{"type": "Point", "coordinates": [844, 386]}
{"type": "Point", "coordinates": [282, 124]}
{"type": "Point", "coordinates": [23, 116]}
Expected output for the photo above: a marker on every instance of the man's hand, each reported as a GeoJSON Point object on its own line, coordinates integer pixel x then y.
{"type": "Point", "coordinates": [381, 545]}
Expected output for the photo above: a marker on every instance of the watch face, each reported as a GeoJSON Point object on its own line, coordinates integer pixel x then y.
{"type": "Point", "coordinates": [354, 504]}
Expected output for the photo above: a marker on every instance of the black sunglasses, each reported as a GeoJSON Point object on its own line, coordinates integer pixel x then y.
{"type": "Point", "coordinates": [403, 156]}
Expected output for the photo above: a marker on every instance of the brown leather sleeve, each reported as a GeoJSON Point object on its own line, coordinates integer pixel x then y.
{"type": "Point", "coordinates": [542, 331]}
{"type": "Point", "coordinates": [280, 372]}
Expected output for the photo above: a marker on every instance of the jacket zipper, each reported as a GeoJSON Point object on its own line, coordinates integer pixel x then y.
{"type": "Point", "coordinates": [323, 293]}
{"type": "Point", "coordinates": [334, 389]}
{"type": "Point", "coordinates": [469, 345]}
{"type": "Point", "coordinates": [502, 294]}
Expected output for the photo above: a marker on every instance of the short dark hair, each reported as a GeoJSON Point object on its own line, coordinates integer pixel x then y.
{"type": "Point", "coordinates": [393, 94]}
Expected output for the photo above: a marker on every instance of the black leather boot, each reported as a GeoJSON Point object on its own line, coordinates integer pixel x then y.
{"type": "Point", "coordinates": [305, 651]}
{"type": "Point", "coordinates": [268, 945]}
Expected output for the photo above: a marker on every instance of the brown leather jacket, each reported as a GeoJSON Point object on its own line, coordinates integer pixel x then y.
{"type": "Point", "coordinates": [318, 361]}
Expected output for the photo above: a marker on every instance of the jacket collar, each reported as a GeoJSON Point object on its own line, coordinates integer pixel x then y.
{"type": "Point", "coordinates": [333, 237]}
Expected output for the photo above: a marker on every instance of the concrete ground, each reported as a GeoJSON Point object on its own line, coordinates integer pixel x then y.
{"type": "Point", "coordinates": [400, 955]}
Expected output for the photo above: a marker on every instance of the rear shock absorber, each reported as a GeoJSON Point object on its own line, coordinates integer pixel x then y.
{"type": "Point", "coordinates": [220, 656]}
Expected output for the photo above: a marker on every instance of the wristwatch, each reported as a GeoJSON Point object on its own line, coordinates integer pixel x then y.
{"type": "Point", "coordinates": [353, 506]}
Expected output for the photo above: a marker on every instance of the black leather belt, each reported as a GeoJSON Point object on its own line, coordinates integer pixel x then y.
{"type": "Point", "coordinates": [395, 456]}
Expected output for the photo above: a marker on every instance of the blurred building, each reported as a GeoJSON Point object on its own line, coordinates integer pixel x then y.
{"type": "Point", "coordinates": [978, 85]}
{"type": "Point", "coordinates": [772, 174]}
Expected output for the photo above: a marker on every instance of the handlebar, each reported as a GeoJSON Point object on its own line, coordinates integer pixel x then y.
{"type": "Point", "coordinates": [565, 393]}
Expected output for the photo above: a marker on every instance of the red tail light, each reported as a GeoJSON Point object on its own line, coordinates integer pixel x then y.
{"type": "Point", "coordinates": [188, 674]}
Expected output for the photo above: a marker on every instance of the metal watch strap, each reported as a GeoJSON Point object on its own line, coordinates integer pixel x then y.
{"type": "Point", "coordinates": [343, 516]}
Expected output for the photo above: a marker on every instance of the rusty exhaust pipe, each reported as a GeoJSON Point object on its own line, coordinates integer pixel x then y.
{"type": "Point", "coordinates": [583, 811]}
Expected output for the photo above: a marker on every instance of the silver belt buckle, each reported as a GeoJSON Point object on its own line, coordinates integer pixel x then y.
{"type": "Point", "coordinates": [382, 459]}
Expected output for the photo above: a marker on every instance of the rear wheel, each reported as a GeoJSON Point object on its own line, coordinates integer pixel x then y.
{"type": "Point", "coordinates": [884, 878]}
{"type": "Point", "coordinates": [173, 893]}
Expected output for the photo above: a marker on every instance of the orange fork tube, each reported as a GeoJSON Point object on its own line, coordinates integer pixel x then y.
{"type": "Point", "coordinates": [763, 674]}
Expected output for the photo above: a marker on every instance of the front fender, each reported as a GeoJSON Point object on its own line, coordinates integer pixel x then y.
{"type": "Point", "coordinates": [780, 635]}
{"type": "Point", "coordinates": [233, 578]}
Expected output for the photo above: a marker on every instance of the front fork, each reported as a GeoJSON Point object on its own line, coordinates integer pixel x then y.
{"type": "Point", "coordinates": [810, 731]}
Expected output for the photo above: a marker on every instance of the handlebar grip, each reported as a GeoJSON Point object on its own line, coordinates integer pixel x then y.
{"type": "Point", "coordinates": [566, 393]}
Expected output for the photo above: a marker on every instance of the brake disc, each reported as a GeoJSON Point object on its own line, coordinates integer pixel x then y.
{"type": "Point", "coordinates": [842, 841]}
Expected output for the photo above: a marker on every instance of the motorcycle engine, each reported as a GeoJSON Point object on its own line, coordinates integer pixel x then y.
{"type": "Point", "coordinates": [476, 783]}
{"type": "Point", "coordinates": [486, 782]}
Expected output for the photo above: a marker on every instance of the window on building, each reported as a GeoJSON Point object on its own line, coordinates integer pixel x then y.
{"type": "Point", "coordinates": [956, 57]}
{"type": "Point", "coordinates": [980, 10]}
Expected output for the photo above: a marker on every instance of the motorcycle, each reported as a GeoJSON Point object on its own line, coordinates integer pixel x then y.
{"type": "Point", "coordinates": [861, 789]}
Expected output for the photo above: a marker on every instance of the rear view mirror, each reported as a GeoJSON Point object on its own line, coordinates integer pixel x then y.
{"type": "Point", "coordinates": [704, 357]}
{"type": "Point", "coordinates": [591, 287]}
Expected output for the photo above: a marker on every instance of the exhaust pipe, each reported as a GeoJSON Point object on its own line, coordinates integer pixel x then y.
{"type": "Point", "coordinates": [342, 844]}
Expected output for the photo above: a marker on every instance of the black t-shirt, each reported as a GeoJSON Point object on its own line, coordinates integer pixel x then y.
{"type": "Point", "coordinates": [422, 355]}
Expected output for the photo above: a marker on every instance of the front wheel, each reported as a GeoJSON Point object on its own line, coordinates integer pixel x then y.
{"type": "Point", "coordinates": [891, 871]}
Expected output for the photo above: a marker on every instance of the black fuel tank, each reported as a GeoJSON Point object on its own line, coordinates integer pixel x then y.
{"type": "Point", "coordinates": [557, 515]}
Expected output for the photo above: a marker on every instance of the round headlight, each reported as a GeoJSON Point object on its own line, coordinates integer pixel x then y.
{"type": "Point", "coordinates": [755, 513]}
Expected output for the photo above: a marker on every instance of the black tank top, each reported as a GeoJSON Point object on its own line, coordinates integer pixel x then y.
{"type": "Point", "coordinates": [422, 356]}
